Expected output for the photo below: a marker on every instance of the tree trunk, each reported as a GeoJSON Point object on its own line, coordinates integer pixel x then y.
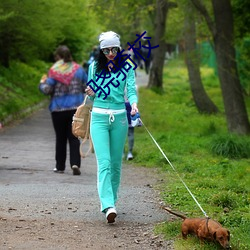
{"type": "Point", "coordinates": [156, 71]}
{"type": "Point", "coordinates": [201, 99]}
{"type": "Point", "coordinates": [235, 109]}
{"type": "Point", "coordinates": [223, 38]}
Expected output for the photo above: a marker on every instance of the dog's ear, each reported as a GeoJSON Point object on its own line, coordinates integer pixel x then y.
{"type": "Point", "coordinates": [214, 235]}
{"type": "Point", "coordinates": [228, 237]}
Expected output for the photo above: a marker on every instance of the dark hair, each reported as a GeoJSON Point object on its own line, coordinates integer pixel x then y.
{"type": "Point", "coordinates": [102, 62]}
{"type": "Point", "coordinates": [63, 52]}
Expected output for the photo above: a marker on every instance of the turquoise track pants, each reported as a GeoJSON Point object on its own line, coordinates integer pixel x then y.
{"type": "Point", "coordinates": [108, 136]}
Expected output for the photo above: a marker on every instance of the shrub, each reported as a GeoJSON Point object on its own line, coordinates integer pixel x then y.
{"type": "Point", "coordinates": [231, 146]}
{"type": "Point", "coordinates": [223, 200]}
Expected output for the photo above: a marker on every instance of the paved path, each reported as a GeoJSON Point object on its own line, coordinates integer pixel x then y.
{"type": "Point", "coordinates": [141, 78]}
{"type": "Point", "coordinates": [27, 160]}
{"type": "Point", "coordinates": [26, 163]}
{"type": "Point", "coordinates": [31, 191]}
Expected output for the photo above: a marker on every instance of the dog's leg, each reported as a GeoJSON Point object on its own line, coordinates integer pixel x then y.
{"type": "Point", "coordinates": [201, 242]}
{"type": "Point", "coordinates": [184, 235]}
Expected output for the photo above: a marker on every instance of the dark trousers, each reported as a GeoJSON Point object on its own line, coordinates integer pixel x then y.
{"type": "Point", "coordinates": [130, 129]}
{"type": "Point", "coordinates": [130, 139]}
{"type": "Point", "coordinates": [62, 122]}
{"type": "Point", "coordinates": [147, 66]}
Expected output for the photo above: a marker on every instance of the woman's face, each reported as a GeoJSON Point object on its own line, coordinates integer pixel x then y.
{"type": "Point", "coordinates": [110, 53]}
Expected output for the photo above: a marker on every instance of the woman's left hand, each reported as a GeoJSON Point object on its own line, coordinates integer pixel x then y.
{"type": "Point", "coordinates": [134, 109]}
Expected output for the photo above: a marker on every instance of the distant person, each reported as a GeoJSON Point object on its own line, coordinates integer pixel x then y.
{"type": "Point", "coordinates": [95, 52]}
{"type": "Point", "coordinates": [65, 84]}
{"type": "Point", "coordinates": [130, 133]}
{"type": "Point", "coordinates": [129, 51]}
{"type": "Point", "coordinates": [109, 125]}
{"type": "Point", "coordinates": [131, 130]}
{"type": "Point", "coordinates": [93, 55]}
{"type": "Point", "coordinates": [137, 59]}
{"type": "Point", "coordinates": [85, 66]}
{"type": "Point", "coordinates": [147, 59]}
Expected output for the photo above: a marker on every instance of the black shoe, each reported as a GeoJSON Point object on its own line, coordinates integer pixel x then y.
{"type": "Point", "coordinates": [58, 171]}
{"type": "Point", "coordinates": [76, 170]}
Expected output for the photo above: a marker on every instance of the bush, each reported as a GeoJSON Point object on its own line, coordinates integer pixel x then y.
{"type": "Point", "coordinates": [231, 146]}
{"type": "Point", "coordinates": [19, 88]}
{"type": "Point", "coordinates": [224, 200]}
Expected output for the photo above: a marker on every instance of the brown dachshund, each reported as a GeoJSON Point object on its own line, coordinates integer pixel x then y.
{"type": "Point", "coordinates": [204, 229]}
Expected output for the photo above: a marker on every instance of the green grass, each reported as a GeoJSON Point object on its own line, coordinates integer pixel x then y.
{"type": "Point", "coordinates": [19, 88]}
{"type": "Point", "coordinates": [214, 164]}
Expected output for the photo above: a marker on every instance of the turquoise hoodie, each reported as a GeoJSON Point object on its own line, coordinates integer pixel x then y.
{"type": "Point", "coordinates": [114, 97]}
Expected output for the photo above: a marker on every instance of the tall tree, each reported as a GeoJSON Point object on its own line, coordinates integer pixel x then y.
{"type": "Point", "coordinates": [129, 18]}
{"type": "Point", "coordinates": [201, 99]}
{"type": "Point", "coordinates": [156, 71]}
{"type": "Point", "coordinates": [223, 38]}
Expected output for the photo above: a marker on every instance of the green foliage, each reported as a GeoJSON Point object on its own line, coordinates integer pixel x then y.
{"type": "Point", "coordinates": [241, 17]}
{"type": "Point", "coordinates": [219, 183]}
{"type": "Point", "coordinates": [19, 87]}
{"type": "Point", "coordinates": [243, 59]}
{"type": "Point", "coordinates": [127, 18]}
{"type": "Point", "coordinates": [170, 230]}
{"type": "Point", "coordinates": [29, 33]}
{"type": "Point", "coordinates": [231, 146]}
{"type": "Point", "coordinates": [224, 200]}
{"type": "Point", "coordinates": [175, 25]}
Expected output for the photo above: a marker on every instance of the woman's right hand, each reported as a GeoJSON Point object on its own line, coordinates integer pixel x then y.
{"type": "Point", "coordinates": [89, 91]}
{"type": "Point", "coordinates": [134, 109]}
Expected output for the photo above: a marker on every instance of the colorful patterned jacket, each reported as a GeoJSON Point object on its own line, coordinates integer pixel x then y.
{"type": "Point", "coordinates": [65, 84]}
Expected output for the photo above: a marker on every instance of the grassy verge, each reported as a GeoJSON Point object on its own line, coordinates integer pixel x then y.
{"type": "Point", "coordinates": [213, 164]}
{"type": "Point", "coordinates": [19, 89]}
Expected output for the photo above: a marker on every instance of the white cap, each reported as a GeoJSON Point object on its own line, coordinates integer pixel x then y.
{"type": "Point", "coordinates": [109, 39]}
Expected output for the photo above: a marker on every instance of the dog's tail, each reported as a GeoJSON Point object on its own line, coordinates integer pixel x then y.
{"type": "Point", "coordinates": [175, 213]}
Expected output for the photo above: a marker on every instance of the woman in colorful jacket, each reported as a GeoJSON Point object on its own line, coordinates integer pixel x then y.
{"type": "Point", "coordinates": [108, 77]}
{"type": "Point", "coordinates": [66, 83]}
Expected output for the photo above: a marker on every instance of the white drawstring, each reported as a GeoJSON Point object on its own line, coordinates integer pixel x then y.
{"type": "Point", "coordinates": [110, 112]}
{"type": "Point", "coordinates": [111, 117]}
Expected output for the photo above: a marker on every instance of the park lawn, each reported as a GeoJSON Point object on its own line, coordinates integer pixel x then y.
{"type": "Point", "coordinates": [190, 141]}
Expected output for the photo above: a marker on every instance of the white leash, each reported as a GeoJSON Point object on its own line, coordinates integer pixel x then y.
{"type": "Point", "coordinates": [174, 169]}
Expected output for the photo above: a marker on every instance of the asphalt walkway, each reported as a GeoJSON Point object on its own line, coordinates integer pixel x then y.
{"type": "Point", "coordinates": [30, 189]}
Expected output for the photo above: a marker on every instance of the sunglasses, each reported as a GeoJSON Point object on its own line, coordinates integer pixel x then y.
{"type": "Point", "coordinates": [113, 50]}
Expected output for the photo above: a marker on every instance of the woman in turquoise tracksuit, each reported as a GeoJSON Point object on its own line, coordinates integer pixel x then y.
{"type": "Point", "coordinates": [109, 125]}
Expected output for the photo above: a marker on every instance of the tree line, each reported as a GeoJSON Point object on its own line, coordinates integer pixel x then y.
{"type": "Point", "coordinates": [32, 30]}
{"type": "Point", "coordinates": [219, 19]}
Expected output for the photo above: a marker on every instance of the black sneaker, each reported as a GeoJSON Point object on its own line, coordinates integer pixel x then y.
{"type": "Point", "coordinates": [58, 171]}
{"type": "Point", "coordinates": [76, 170]}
